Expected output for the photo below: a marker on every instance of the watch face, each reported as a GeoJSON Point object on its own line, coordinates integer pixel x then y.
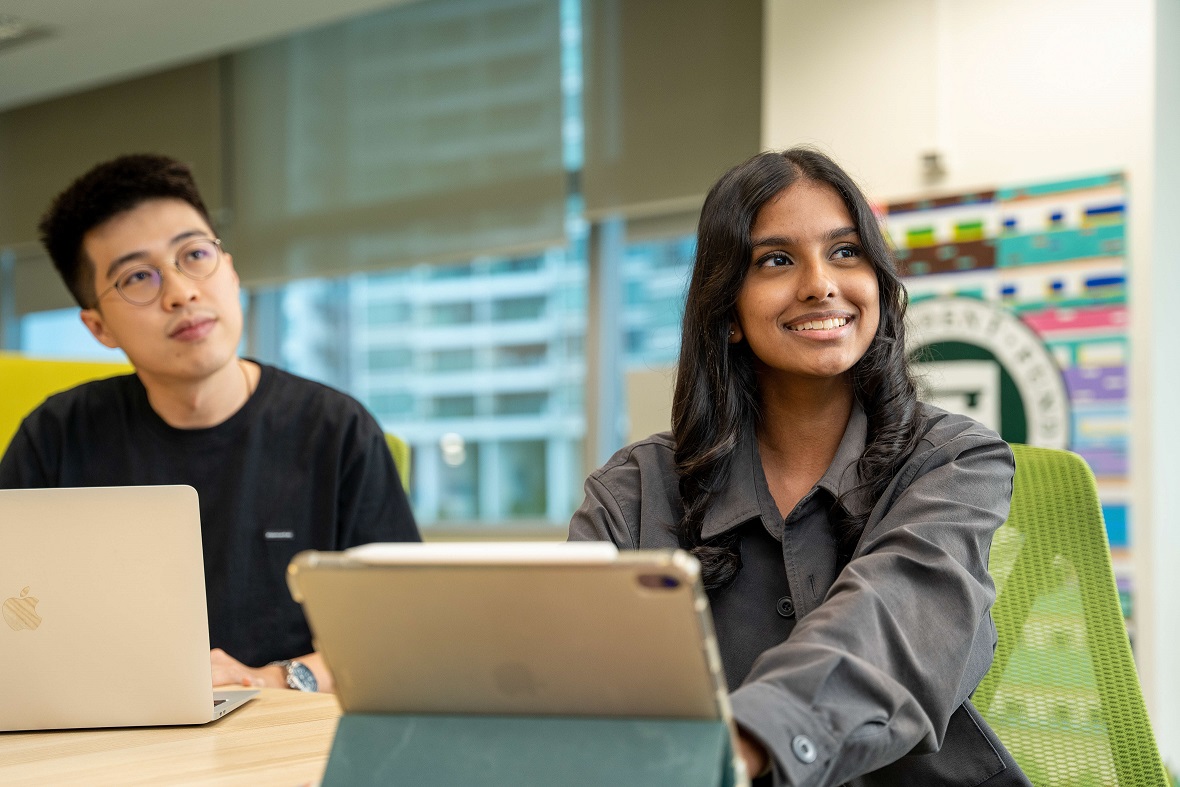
{"type": "Point", "coordinates": [300, 677]}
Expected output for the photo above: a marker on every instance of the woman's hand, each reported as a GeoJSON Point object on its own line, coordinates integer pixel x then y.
{"type": "Point", "coordinates": [753, 754]}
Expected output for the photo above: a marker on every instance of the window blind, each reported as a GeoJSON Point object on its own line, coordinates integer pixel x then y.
{"type": "Point", "coordinates": [673, 97]}
{"type": "Point", "coordinates": [427, 132]}
{"type": "Point", "coordinates": [46, 145]}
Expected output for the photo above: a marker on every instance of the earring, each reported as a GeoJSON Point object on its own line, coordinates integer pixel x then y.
{"type": "Point", "coordinates": [731, 333]}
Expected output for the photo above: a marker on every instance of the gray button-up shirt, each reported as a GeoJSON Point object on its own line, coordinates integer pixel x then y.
{"type": "Point", "coordinates": [843, 667]}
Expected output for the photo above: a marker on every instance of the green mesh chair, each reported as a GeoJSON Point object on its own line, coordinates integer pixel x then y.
{"type": "Point", "coordinates": [1062, 692]}
{"type": "Point", "coordinates": [401, 457]}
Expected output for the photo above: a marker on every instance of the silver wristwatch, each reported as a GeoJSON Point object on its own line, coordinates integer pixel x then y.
{"type": "Point", "coordinates": [299, 675]}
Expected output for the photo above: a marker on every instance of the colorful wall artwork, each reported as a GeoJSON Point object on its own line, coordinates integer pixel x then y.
{"type": "Point", "coordinates": [1019, 318]}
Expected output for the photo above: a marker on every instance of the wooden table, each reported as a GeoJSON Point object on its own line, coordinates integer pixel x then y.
{"type": "Point", "coordinates": [280, 737]}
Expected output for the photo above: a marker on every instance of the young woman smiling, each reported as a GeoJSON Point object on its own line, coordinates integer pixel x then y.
{"type": "Point", "coordinates": [842, 526]}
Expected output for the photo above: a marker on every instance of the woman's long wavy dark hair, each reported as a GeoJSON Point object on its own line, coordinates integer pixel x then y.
{"type": "Point", "coordinates": [716, 397]}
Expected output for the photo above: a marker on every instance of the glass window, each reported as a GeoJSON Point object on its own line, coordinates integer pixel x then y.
{"type": "Point", "coordinates": [388, 406]}
{"type": "Point", "coordinates": [388, 358]}
{"type": "Point", "coordinates": [520, 403]}
{"type": "Point", "coordinates": [448, 399]}
{"type": "Point", "coordinates": [574, 346]}
{"type": "Point", "coordinates": [634, 292]}
{"type": "Point", "coordinates": [450, 313]}
{"type": "Point", "coordinates": [467, 428]}
{"type": "Point", "coordinates": [491, 394]}
{"type": "Point", "coordinates": [633, 340]}
{"type": "Point", "coordinates": [448, 272]}
{"type": "Point", "coordinates": [454, 407]}
{"type": "Point", "coordinates": [519, 308]}
{"type": "Point", "coordinates": [640, 331]}
{"type": "Point", "coordinates": [522, 478]}
{"type": "Point", "coordinates": [654, 278]}
{"type": "Point", "coordinates": [523, 265]}
{"type": "Point", "coordinates": [61, 334]}
{"type": "Point", "coordinates": [315, 325]}
{"type": "Point", "coordinates": [570, 301]}
{"type": "Point", "coordinates": [458, 474]}
{"type": "Point", "coordinates": [521, 355]}
{"type": "Point", "coordinates": [388, 313]}
{"type": "Point", "coordinates": [452, 360]}
{"type": "Point", "coordinates": [571, 396]}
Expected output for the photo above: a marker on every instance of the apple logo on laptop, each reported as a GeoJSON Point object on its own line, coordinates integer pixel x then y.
{"type": "Point", "coordinates": [21, 613]}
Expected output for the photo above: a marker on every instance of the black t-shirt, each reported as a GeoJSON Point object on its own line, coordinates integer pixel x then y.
{"type": "Point", "coordinates": [299, 466]}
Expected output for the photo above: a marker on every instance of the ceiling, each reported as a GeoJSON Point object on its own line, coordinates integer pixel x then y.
{"type": "Point", "coordinates": [95, 42]}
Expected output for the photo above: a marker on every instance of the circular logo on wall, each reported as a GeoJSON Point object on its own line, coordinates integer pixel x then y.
{"type": "Point", "coordinates": [979, 359]}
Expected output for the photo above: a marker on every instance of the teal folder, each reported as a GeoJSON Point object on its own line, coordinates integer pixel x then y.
{"type": "Point", "coordinates": [372, 749]}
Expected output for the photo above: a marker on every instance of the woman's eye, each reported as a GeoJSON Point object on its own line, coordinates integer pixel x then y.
{"type": "Point", "coordinates": [847, 252]}
{"type": "Point", "coordinates": [774, 260]}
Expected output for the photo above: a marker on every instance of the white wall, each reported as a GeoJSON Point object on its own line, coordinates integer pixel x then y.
{"type": "Point", "coordinates": [849, 77]}
{"type": "Point", "coordinates": [1014, 91]}
{"type": "Point", "coordinates": [1007, 90]}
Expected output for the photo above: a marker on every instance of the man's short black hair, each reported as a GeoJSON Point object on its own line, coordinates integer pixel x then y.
{"type": "Point", "coordinates": [107, 190]}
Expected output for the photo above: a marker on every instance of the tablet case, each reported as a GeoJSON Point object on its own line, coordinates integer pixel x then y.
{"type": "Point", "coordinates": [373, 749]}
{"type": "Point", "coordinates": [422, 715]}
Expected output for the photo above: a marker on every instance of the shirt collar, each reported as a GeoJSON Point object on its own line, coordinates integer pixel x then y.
{"type": "Point", "coordinates": [737, 500]}
{"type": "Point", "coordinates": [841, 477]}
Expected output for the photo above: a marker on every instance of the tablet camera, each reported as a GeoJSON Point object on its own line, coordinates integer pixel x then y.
{"type": "Point", "coordinates": [659, 581]}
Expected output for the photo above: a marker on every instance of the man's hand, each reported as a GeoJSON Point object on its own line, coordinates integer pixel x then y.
{"type": "Point", "coordinates": [228, 671]}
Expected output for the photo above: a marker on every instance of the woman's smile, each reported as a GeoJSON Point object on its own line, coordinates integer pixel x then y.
{"type": "Point", "coordinates": [821, 326]}
{"type": "Point", "coordinates": [809, 305]}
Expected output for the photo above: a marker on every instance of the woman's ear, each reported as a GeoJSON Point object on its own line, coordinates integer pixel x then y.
{"type": "Point", "coordinates": [735, 333]}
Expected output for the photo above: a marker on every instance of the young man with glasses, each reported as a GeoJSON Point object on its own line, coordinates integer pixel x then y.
{"type": "Point", "coordinates": [280, 464]}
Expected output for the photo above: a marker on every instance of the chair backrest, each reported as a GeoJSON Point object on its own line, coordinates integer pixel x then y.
{"type": "Point", "coordinates": [1062, 692]}
{"type": "Point", "coordinates": [27, 382]}
{"type": "Point", "coordinates": [401, 457]}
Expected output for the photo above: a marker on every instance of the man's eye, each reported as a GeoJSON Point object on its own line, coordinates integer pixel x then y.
{"type": "Point", "coordinates": [138, 277]}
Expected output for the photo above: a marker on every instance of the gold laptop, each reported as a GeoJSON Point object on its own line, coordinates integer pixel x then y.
{"type": "Point", "coordinates": [104, 623]}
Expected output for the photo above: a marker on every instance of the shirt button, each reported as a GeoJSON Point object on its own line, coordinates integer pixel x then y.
{"type": "Point", "coordinates": [786, 607]}
{"type": "Point", "coordinates": [804, 749]}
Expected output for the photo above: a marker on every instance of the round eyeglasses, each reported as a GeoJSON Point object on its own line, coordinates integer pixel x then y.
{"type": "Point", "coordinates": [141, 284]}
